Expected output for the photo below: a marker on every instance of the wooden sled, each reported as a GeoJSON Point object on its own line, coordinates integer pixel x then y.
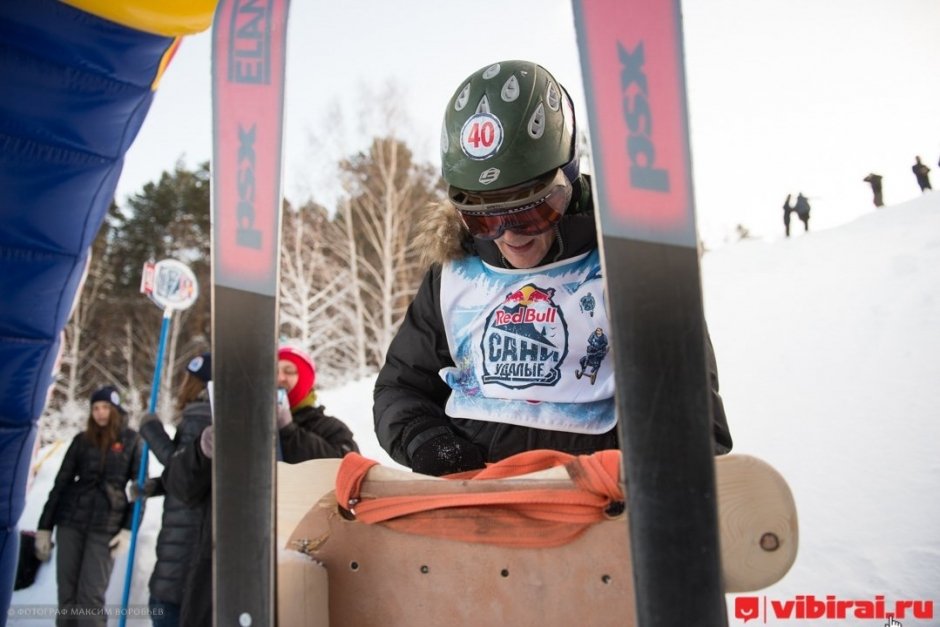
{"type": "Point", "coordinates": [336, 572]}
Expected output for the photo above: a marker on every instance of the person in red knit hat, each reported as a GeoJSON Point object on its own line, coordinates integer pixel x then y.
{"type": "Point", "coordinates": [305, 430]}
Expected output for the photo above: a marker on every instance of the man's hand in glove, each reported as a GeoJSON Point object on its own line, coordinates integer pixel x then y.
{"type": "Point", "coordinates": [150, 486]}
{"type": "Point", "coordinates": [44, 545]}
{"type": "Point", "coordinates": [120, 542]}
{"type": "Point", "coordinates": [446, 454]}
{"type": "Point", "coordinates": [149, 417]}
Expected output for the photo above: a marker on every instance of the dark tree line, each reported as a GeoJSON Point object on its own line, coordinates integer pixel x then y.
{"type": "Point", "coordinates": [346, 277]}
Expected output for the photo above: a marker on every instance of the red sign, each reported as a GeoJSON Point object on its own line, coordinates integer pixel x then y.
{"type": "Point", "coordinates": [248, 89]}
{"type": "Point", "coordinates": [631, 58]}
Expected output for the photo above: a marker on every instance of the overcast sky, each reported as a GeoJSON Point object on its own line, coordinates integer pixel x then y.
{"type": "Point", "coordinates": [784, 95]}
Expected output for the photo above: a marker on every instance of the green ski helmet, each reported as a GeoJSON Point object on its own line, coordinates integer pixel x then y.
{"type": "Point", "coordinates": [508, 123]}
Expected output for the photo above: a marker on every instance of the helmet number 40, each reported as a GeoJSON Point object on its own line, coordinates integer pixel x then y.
{"type": "Point", "coordinates": [481, 136]}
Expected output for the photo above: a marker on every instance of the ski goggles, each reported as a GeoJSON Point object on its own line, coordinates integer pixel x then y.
{"type": "Point", "coordinates": [528, 209]}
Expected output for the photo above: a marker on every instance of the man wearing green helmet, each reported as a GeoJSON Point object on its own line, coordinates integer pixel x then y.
{"type": "Point", "coordinates": [491, 356]}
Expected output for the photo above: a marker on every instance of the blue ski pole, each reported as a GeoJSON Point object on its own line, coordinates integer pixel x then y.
{"type": "Point", "coordinates": [142, 473]}
{"type": "Point", "coordinates": [171, 285]}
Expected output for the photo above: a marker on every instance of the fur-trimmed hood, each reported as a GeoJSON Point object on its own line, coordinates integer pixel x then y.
{"type": "Point", "coordinates": [442, 236]}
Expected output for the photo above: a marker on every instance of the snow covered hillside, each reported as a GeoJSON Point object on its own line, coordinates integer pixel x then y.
{"type": "Point", "coordinates": [829, 356]}
{"type": "Point", "coordinates": [828, 350]}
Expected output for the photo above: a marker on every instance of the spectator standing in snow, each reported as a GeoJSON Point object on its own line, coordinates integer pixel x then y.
{"type": "Point", "coordinates": [305, 431]}
{"type": "Point", "coordinates": [922, 174]}
{"type": "Point", "coordinates": [308, 433]}
{"type": "Point", "coordinates": [514, 261]}
{"type": "Point", "coordinates": [89, 510]}
{"type": "Point", "coordinates": [180, 528]}
{"type": "Point", "coordinates": [875, 181]}
{"type": "Point", "coordinates": [787, 210]}
{"type": "Point", "coordinates": [802, 209]}
{"type": "Point", "coordinates": [187, 476]}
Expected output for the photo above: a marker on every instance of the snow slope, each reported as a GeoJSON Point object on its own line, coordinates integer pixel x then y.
{"type": "Point", "coordinates": [829, 353]}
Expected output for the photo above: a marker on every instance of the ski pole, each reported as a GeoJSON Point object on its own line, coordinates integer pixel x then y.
{"type": "Point", "coordinates": [171, 285]}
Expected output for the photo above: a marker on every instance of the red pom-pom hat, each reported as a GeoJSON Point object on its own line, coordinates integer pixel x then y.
{"type": "Point", "coordinates": [306, 373]}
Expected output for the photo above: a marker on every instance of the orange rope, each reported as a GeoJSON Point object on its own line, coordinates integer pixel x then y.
{"type": "Point", "coordinates": [531, 517]}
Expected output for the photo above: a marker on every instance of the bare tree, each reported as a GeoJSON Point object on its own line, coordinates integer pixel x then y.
{"type": "Point", "coordinates": [367, 245]}
{"type": "Point", "coordinates": [386, 192]}
{"type": "Point", "coordinates": [71, 363]}
{"type": "Point", "coordinates": [315, 288]}
{"type": "Point", "coordinates": [72, 367]}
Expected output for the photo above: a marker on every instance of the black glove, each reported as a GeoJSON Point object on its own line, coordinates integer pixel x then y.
{"type": "Point", "coordinates": [151, 428]}
{"type": "Point", "coordinates": [149, 417]}
{"type": "Point", "coordinates": [446, 454]}
{"type": "Point", "coordinates": [150, 486]}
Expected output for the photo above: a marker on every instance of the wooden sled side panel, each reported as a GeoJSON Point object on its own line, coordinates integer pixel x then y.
{"type": "Point", "coordinates": [300, 487]}
{"type": "Point", "coordinates": [758, 523]}
{"type": "Point", "coordinates": [382, 577]}
{"type": "Point", "coordinates": [302, 584]}
{"type": "Point", "coordinates": [302, 591]}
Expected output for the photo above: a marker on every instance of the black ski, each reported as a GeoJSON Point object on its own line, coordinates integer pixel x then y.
{"type": "Point", "coordinates": [248, 68]}
{"type": "Point", "coordinates": [632, 64]}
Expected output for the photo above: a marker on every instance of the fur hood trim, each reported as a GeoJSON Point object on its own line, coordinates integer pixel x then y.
{"type": "Point", "coordinates": [442, 236]}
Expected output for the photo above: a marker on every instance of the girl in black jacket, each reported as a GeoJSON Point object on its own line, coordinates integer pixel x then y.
{"type": "Point", "coordinates": [187, 475]}
{"type": "Point", "coordinates": [88, 507]}
{"type": "Point", "coordinates": [180, 528]}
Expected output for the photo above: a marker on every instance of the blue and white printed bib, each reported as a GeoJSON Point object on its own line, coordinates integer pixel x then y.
{"type": "Point", "coordinates": [530, 346]}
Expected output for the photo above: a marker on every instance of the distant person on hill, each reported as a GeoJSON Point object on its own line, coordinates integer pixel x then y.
{"type": "Point", "coordinates": [875, 181]}
{"type": "Point", "coordinates": [802, 210]}
{"type": "Point", "coordinates": [787, 210]}
{"type": "Point", "coordinates": [922, 173]}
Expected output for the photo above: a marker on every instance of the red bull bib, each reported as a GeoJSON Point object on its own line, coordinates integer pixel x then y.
{"type": "Point", "coordinates": [530, 346]}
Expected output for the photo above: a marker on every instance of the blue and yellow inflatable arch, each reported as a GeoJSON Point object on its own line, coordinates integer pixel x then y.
{"type": "Point", "coordinates": [77, 78]}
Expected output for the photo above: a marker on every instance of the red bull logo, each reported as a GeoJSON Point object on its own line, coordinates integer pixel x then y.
{"type": "Point", "coordinates": [524, 315]}
{"type": "Point", "coordinates": [528, 305]}
{"type": "Point", "coordinates": [530, 294]}
{"type": "Point", "coordinates": [525, 339]}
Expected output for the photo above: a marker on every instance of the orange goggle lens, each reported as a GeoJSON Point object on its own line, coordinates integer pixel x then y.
{"type": "Point", "coordinates": [531, 216]}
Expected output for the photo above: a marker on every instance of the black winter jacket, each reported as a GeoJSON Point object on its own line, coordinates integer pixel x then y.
{"type": "Point", "coordinates": [179, 531]}
{"type": "Point", "coordinates": [410, 396]}
{"type": "Point", "coordinates": [89, 490]}
{"type": "Point", "coordinates": [314, 435]}
{"type": "Point", "coordinates": [187, 475]}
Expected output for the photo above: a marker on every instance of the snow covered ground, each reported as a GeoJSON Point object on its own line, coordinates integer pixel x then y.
{"type": "Point", "coordinates": [829, 354]}
{"type": "Point", "coordinates": [828, 350]}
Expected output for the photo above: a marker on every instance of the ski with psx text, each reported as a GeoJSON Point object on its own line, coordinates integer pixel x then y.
{"type": "Point", "coordinates": [632, 64]}
{"type": "Point", "coordinates": [248, 69]}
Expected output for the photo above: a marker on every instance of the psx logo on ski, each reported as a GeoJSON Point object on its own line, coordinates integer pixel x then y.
{"type": "Point", "coordinates": [638, 115]}
{"type": "Point", "coordinates": [518, 351]}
